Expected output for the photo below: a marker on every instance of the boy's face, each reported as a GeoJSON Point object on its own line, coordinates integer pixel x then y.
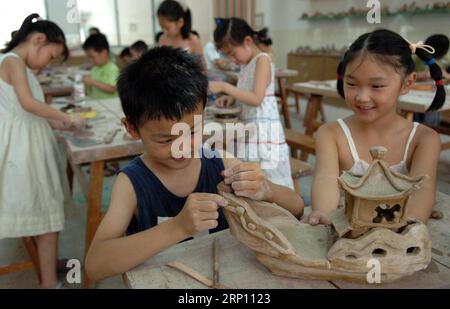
{"type": "Point", "coordinates": [156, 135]}
{"type": "Point", "coordinates": [97, 58]}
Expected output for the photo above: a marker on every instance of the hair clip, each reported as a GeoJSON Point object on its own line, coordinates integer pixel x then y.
{"type": "Point", "coordinates": [340, 77]}
{"type": "Point", "coordinates": [415, 46]}
{"type": "Point", "coordinates": [440, 82]}
{"type": "Point", "coordinates": [36, 19]}
{"type": "Point", "coordinates": [430, 62]}
{"type": "Point", "coordinates": [219, 21]}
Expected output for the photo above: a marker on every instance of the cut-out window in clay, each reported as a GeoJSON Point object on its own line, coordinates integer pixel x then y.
{"type": "Point", "coordinates": [386, 212]}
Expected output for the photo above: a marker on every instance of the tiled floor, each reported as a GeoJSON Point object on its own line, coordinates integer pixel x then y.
{"type": "Point", "coordinates": [72, 238]}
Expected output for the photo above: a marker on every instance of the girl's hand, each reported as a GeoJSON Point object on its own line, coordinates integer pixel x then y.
{"type": "Point", "coordinates": [76, 122]}
{"type": "Point", "coordinates": [60, 125]}
{"type": "Point", "coordinates": [248, 180]}
{"type": "Point", "coordinates": [317, 217]}
{"type": "Point", "coordinates": [225, 101]}
{"type": "Point", "coordinates": [216, 87]}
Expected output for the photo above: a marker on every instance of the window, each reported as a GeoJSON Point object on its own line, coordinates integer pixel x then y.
{"type": "Point", "coordinates": [122, 21]}
{"type": "Point", "coordinates": [12, 21]}
{"type": "Point", "coordinates": [100, 14]}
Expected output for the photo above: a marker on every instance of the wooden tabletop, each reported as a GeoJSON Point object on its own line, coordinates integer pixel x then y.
{"type": "Point", "coordinates": [109, 115]}
{"type": "Point", "coordinates": [415, 101]}
{"type": "Point", "coordinates": [240, 269]}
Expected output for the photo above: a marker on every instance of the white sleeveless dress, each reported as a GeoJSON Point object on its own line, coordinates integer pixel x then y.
{"type": "Point", "coordinates": [267, 146]}
{"type": "Point", "coordinates": [33, 184]}
{"type": "Point", "coordinates": [360, 167]}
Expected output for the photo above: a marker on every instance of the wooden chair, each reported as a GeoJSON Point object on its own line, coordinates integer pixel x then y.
{"type": "Point", "coordinates": [300, 142]}
{"type": "Point", "coordinates": [299, 169]}
{"type": "Point", "coordinates": [30, 246]}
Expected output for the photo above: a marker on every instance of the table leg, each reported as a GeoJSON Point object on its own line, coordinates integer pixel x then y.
{"type": "Point", "coordinates": [409, 116]}
{"type": "Point", "coordinates": [69, 172]}
{"type": "Point", "coordinates": [312, 111]}
{"type": "Point", "coordinates": [94, 208]}
{"type": "Point", "coordinates": [284, 103]}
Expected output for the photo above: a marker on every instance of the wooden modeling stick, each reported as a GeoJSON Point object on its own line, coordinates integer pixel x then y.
{"type": "Point", "coordinates": [216, 264]}
{"type": "Point", "coordinates": [191, 273]}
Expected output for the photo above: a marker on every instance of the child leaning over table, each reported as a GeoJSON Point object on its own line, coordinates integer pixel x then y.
{"type": "Point", "coordinates": [101, 84]}
{"type": "Point", "coordinates": [158, 200]}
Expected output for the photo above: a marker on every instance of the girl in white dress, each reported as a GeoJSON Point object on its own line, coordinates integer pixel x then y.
{"type": "Point", "coordinates": [32, 180]}
{"type": "Point", "coordinates": [255, 91]}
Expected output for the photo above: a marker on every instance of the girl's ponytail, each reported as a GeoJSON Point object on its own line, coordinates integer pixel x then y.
{"type": "Point", "coordinates": [262, 36]}
{"type": "Point", "coordinates": [436, 74]}
{"type": "Point", "coordinates": [187, 27]}
{"type": "Point", "coordinates": [21, 34]}
{"type": "Point", "coordinates": [34, 24]}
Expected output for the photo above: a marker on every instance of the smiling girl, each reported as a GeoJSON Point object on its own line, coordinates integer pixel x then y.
{"type": "Point", "coordinates": [374, 72]}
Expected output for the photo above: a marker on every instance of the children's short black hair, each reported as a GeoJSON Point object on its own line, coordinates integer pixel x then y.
{"type": "Point", "coordinates": [97, 42]}
{"type": "Point", "coordinates": [125, 52]}
{"type": "Point", "coordinates": [140, 46]}
{"type": "Point", "coordinates": [174, 11]}
{"type": "Point", "coordinates": [94, 29]}
{"type": "Point", "coordinates": [440, 43]}
{"type": "Point", "coordinates": [164, 83]}
{"type": "Point", "coordinates": [34, 24]}
{"type": "Point", "coordinates": [389, 47]}
{"type": "Point", "coordinates": [234, 31]}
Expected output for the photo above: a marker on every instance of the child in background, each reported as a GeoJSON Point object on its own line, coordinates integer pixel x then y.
{"type": "Point", "coordinates": [159, 200]}
{"type": "Point", "coordinates": [255, 91]}
{"type": "Point", "coordinates": [125, 57]}
{"type": "Point", "coordinates": [176, 22]}
{"type": "Point", "coordinates": [101, 84]}
{"type": "Point", "coordinates": [374, 72]}
{"type": "Point", "coordinates": [30, 161]}
{"type": "Point", "coordinates": [138, 49]}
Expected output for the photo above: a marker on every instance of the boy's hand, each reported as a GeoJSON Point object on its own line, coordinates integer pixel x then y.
{"type": "Point", "coordinates": [200, 212]}
{"type": "Point", "coordinates": [248, 180]}
{"type": "Point", "coordinates": [88, 81]}
{"type": "Point", "coordinates": [317, 217]}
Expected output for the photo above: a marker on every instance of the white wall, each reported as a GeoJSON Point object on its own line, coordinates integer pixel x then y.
{"type": "Point", "coordinates": [135, 21]}
{"type": "Point", "coordinates": [288, 32]}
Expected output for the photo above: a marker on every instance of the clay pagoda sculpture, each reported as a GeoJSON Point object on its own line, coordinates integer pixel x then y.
{"type": "Point", "coordinates": [372, 224]}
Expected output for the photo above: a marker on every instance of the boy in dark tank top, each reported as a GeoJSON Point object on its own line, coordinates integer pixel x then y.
{"type": "Point", "coordinates": [169, 194]}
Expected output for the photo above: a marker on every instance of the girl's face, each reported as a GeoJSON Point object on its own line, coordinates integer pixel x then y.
{"type": "Point", "coordinates": [170, 28]}
{"type": "Point", "coordinates": [372, 88]}
{"type": "Point", "coordinates": [42, 52]}
{"type": "Point", "coordinates": [240, 54]}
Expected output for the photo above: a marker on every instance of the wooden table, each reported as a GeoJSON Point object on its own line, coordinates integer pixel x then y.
{"type": "Point", "coordinates": [109, 114]}
{"type": "Point", "coordinates": [239, 268]}
{"type": "Point", "coordinates": [56, 90]}
{"type": "Point", "coordinates": [414, 102]}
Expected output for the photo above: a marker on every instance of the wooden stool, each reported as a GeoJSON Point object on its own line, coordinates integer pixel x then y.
{"type": "Point", "coordinates": [297, 141]}
{"type": "Point", "coordinates": [30, 246]}
{"type": "Point", "coordinates": [299, 169]}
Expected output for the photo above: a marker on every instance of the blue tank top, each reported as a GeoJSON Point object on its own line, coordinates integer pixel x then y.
{"type": "Point", "coordinates": [155, 201]}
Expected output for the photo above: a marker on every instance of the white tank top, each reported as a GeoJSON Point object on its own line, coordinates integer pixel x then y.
{"type": "Point", "coordinates": [360, 167]}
